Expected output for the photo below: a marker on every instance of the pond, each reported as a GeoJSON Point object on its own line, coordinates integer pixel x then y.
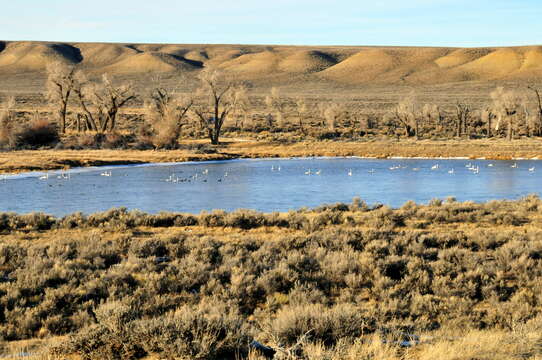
{"type": "Point", "coordinates": [266, 184]}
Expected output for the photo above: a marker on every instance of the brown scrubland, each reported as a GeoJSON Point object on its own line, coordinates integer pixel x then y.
{"type": "Point", "coordinates": [446, 280]}
{"type": "Point", "coordinates": [342, 281]}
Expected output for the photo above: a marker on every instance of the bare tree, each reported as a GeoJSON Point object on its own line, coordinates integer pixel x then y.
{"type": "Point", "coordinates": [219, 102]}
{"type": "Point", "coordinates": [331, 114]}
{"type": "Point", "coordinates": [462, 116]}
{"type": "Point", "coordinates": [7, 123]}
{"type": "Point", "coordinates": [109, 99]}
{"type": "Point", "coordinates": [166, 114]}
{"type": "Point", "coordinates": [487, 115]}
{"type": "Point", "coordinates": [301, 110]}
{"type": "Point", "coordinates": [529, 116]}
{"type": "Point", "coordinates": [405, 114]}
{"type": "Point", "coordinates": [277, 105]}
{"type": "Point", "coordinates": [432, 113]}
{"type": "Point", "coordinates": [80, 90]}
{"type": "Point", "coordinates": [321, 108]}
{"type": "Point", "coordinates": [60, 84]}
{"type": "Point", "coordinates": [506, 105]}
{"type": "Point", "coordinates": [242, 109]}
{"type": "Point", "coordinates": [538, 126]}
{"type": "Point", "coordinates": [105, 98]}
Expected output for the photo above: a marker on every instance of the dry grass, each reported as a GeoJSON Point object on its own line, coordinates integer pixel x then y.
{"type": "Point", "coordinates": [341, 64]}
{"type": "Point", "coordinates": [33, 160]}
{"type": "Point", "coordinates": [343, 281]}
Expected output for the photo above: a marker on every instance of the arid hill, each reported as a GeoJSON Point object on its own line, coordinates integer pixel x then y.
{"type": "Point", "coordinates": [348, 65]}
{"type": "Point", "coordinates": [374, 77]}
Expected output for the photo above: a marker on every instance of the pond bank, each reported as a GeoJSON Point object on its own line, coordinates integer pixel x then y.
{"type": "Point", "coordinates": [498, 149]}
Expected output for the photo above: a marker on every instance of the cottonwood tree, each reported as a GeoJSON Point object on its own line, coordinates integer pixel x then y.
{"type": "Point", "coordinates": [321, 109]}
{"type": "Point", "coordinates": [242, 108]}
{"type": "Point", "coordinates": [61, 81]}
{"type": "Point", "coordinates": [7, 123]}
{"type": "Point", "coordinates": [506, 105]}
{"type": "Point", "coordinates": [105, 98]}
{"type": "Point", "coordinates": [487, 115]}
{"type": "Point", "coordinates": [432, 113]}
{"type": "Point", "coordinates": [530, 118]}
{"type": "Point", "coordinates": [405, 114]}
{"type": "Point", "coordinates": [219, 100]}
{"type": "Point", "coordinates": [538, 112]}
{"type": "Point", "coordinates": [166, 114]}
{"type": "Point", "coordinates": [331, 114]}
{"type": "Point", "coordinates": [277, 105]}
{"type": "Point", "coordinates": [462, 116]}
{"type": "Point", "coordinates": [301, 110]}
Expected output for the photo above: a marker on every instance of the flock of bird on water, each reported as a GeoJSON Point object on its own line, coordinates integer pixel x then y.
{"type": "Point", "coordinates": [475, 169]}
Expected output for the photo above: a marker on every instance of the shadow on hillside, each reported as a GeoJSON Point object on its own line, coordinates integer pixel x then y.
{"type": "Point", "coordinates": [69, 52]}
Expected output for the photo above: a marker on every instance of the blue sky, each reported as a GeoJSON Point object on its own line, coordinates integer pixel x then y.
{"type": "Point", "coordinates": [296, 22]}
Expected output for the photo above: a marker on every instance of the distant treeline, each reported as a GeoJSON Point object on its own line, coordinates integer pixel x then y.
{"type": "Point", "coordinates": [88, 111]}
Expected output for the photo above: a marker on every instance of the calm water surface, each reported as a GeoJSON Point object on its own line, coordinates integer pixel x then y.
{"type": "Point", "coordinates": [260, 185]}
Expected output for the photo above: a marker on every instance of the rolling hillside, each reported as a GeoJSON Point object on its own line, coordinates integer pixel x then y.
{"type": "Point", "coordinates": [342, 65]}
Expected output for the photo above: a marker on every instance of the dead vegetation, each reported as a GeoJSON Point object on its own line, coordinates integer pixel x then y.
{"type": "Point", "coordinates": [239, 98]}
{"type": "Point", "coordinates": [340, 281]}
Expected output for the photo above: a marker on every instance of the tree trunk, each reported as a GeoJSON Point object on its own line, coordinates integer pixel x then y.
{"type": "Point", "coordinates": [539, 102]}
{"type": "Point", "coordinates": [113, 119]}
{"type": "Point", "coordinates": [62, 115]}
{"type": "Point", "coordinates": [489, 125]}
{"type": "Point", "coordinates": [509, 132]}
{"type": "Point", "coordinates": [301, 125]}
{"type": "Point", "coordinates": [458, 128]}
{"type": "Point", "coordinates": [61, 123]}
{"type": "Point", "coordinates": [408, 130]}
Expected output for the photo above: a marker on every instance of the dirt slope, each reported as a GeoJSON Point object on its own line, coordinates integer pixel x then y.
{"type": "Point", "coordinates": [341, 65]}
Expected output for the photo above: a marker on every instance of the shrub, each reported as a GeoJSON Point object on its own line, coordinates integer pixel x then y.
{"type": "Point", "coordinates": [209, 331]}
{"type": "Point", "coordinates": [38, 132]}
{"type": "Point", "coordinates": [319, 324]}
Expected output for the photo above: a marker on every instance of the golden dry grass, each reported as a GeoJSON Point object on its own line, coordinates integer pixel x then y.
{"type": "Point", "coordinates": [343, 64]}
{"type": "Point", "coordinates": [509, 254]}
{"type": "Point", "coordinates": [35, 160]}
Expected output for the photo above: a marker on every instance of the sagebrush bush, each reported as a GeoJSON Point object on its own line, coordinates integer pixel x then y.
{"type": "Point", "coordinates": [38, 132]}
{"type": "Point", "coordinates": [125, 284]}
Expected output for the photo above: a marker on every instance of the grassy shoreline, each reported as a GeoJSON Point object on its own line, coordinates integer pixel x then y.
{"type": "Point", "coordinates": [39, 160]}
